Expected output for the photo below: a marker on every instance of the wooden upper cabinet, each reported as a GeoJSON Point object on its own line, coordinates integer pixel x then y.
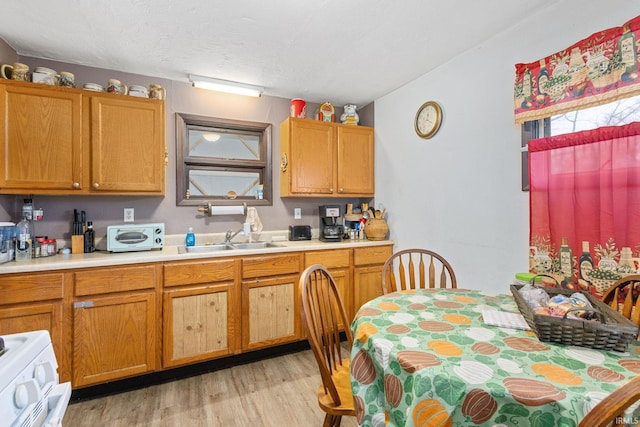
{"type": "Point", "coordinates": [127, 144]}
{"type": "Point", "coordinates": [72, 141]}
{"type": "Point", "coordinates": [41, 128]}
{"type": "Point", "coordinates": [320, 159]}
{"type": "Point", "coordinates": [355, 160]}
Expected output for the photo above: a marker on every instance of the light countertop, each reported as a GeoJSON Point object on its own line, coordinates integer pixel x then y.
{"type": "Point", "coordinates": [102, 258]}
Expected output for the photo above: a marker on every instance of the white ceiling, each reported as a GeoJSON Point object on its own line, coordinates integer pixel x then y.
{"type": "Point", "coordinates": [342, 51]}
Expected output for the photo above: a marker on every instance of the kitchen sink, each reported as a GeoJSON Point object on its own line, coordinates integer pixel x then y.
{"type": "Point", "coordinates": [205, 248]}
{"type": "Point", "coordinates": [256, 245]}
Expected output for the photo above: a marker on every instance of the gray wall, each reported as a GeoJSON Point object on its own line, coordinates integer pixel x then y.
{"type": "Point", "coordinates": [182, 98]}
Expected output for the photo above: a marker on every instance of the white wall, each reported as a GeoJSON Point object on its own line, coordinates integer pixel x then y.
{"type": "Point", "coordinates": [459, 192]}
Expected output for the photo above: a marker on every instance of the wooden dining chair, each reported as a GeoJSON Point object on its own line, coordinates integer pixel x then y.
{"type": "Point", "coordinates": [611, 408]}
{"type": "Point", "coordinates": [622, 296]}
{"type": "Point", "coordinates": [322, 311]}
{"type": "Point", "coordinates": [416, 268]}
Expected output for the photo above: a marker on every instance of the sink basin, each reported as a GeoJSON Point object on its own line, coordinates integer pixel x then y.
{"type": "Point", "coordinates": [256, 245]}
{"type": "Point", "coordinates": [205, 248]}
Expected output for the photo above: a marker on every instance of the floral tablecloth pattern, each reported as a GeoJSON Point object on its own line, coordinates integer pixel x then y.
{"type": "Point", "coordinates": [425, 358]}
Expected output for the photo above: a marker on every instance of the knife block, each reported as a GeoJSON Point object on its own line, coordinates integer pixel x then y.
{"type": "Point", "coordinates": [77, 244]}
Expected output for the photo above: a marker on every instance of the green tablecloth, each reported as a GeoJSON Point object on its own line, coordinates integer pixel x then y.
{"type": "Point", "coordinates": [425, 358]}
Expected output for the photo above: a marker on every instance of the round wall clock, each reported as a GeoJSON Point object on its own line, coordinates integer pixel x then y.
{"type": "Point", "coordinates": [428, 119]}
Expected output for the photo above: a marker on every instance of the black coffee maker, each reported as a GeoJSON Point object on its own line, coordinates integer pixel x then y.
{"type": "Point", "coordinates": [330, 231]}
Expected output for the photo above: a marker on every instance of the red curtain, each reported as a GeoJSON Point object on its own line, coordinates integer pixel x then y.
{"type": "Point", "coordinates": [585, 191]}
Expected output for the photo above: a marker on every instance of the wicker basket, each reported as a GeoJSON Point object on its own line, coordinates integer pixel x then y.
{"type": "Point", "coordinates": [611, 332]}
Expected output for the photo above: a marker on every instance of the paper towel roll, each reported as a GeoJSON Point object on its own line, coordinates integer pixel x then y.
{"type": "Point", "coordinates": [228, 210]}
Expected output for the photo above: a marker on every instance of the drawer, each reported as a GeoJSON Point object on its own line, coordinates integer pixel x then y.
{"type": "Point", "coordinates": [330, 259]}
{"type": "Point", "coordinates": [31, 287]}
{"type": "Point", "coordinates": [189, 273]}
{"type": "Point", "coordinates": [115, 279]}
{"type": "Point", "coordinates": [270, 265]}
{"type": "Point", "coordinates": [372, 255]}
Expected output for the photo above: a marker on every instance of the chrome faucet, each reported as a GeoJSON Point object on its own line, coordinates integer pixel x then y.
{"type": "Point", "coordinates": [230, 235]}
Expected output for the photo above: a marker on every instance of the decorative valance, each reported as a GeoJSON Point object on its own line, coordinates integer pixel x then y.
{"type": "Point", "coordinates": [597, 70]}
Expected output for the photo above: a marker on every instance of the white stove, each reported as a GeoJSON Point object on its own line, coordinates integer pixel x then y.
{"type": "Point", "coordinates": [30, 392]}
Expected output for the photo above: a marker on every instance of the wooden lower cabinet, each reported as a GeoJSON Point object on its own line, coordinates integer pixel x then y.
{"type": "Point", "coordinates": [338, 262]}
{"type": "Point", "coordinates": [367, 273]}
{"type": "Point", "coordinates": [115, 335]}
{"type": "Point", "coordinates": [199, 321]}
{"type": "Point", "coordinates": [33, 302]}
{"type": "Point", "coordinates": [270, 303]}
{"type": "Point", "coordinates": [111, 323]}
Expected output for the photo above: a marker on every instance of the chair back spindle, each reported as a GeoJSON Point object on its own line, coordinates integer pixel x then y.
{"type": "Point", "coordinates": [417, 268]}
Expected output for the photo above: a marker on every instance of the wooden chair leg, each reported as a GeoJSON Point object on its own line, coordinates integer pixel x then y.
{"type": "Point", "coordinates": [332, 421]}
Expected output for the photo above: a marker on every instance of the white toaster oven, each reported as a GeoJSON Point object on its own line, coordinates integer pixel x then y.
{"type": "Point", "coordinates": [135, 237]}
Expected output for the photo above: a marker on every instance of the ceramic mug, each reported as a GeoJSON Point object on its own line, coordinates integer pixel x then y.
{"type": "Point", "coordinates": [67, 79]}
{"type": "Point", "coordinates": [19, 71]}
{"type": "Point", "coordinates": [156, 91]}
{"type": "Point", "coordinates": [116, 86]}
{"type": "Point", "coordinates": [44, 75]}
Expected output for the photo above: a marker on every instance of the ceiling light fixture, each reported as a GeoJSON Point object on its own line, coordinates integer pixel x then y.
{"type": "Point", "coordinates": [225, 86]}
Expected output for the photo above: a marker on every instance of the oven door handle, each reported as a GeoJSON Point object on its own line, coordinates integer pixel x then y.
{"type": "Point", "coordinates": [58, 400]}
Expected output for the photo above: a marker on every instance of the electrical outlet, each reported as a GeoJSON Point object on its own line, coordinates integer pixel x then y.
{"type": "Point", "coordinates": [128, 214]}
{"type": "Point", "coordinates": [297, 213]}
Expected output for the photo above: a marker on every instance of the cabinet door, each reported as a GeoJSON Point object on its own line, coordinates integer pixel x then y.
{"type": "Point", "coordinates": [312, 158]}
{"type": "Point", "coordinates": [41, 132]}
{"type": "Point", "coordinates": [367, 284]}
{"type": "Point", "coordinates": [338, 263]}
{"type": "Point", "coordinates": [36, 317]}
{"type": "Point", "coordinates": [355, 161]}
{"type": "Point", "coordinates": [270, 312]}
{"type": "Point", "coordinates": [127, 144]}
{"type": "Point", "coordinates": [114, 337]}
{"type": "Point", "coordinates": [199, 323]}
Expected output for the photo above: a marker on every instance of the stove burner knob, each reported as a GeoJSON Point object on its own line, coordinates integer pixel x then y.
{"type": "Point", "coordinates": [26, 393]}
{"type": "Point", "coordinates": [44, 373]}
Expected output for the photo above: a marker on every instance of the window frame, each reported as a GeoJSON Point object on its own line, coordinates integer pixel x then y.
{"type": "Point", "coordinates": [185, 163]}
{"type": "Point", "coordinates": [531, 130]}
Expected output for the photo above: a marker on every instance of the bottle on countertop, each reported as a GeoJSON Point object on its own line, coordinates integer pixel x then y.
{"type": "Point", "coordinates": [23, 239]}
{"type": "Point", "coordinates": [585, 264]}
{"type": "Point", "coordinates": [89, 239]}
{"type": "Point", "coordinates": [190, 238]}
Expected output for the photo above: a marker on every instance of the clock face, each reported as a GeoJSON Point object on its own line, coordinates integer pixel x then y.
{"type": "Point", "coordinates": [428, 119]}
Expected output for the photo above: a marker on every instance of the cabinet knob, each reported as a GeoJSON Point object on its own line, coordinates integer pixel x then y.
{"type": "Point", "coordinates": [341, 190]}
{"type": "Point", "coordinates": [76, 185]}
{"type": "Point", "coordinates": [96, 185]}
{"type": "Point", "coordinates": [331, 190]}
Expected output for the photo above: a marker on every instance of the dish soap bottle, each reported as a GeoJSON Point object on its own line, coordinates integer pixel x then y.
{"type": "Point", "coordinates": [190, 239]}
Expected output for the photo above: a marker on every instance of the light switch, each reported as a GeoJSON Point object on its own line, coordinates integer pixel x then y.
{"type": "Point", "coordinates": [297, 213]}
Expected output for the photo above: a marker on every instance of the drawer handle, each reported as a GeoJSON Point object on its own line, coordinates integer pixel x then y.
{"type": "Point", "coordinates": [83, 304]}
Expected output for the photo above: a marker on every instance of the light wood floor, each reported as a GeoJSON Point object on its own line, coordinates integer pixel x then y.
{"type": "Point", "coordinates": [275, 392]}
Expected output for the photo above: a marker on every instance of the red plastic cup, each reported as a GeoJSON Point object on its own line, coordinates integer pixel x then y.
{"type": "Point", "coordinates": [298, 108]}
